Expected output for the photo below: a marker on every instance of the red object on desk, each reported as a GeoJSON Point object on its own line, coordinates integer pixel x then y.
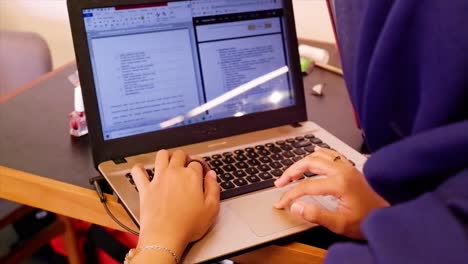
{"type": "Point", "coordinates": [77, 123]}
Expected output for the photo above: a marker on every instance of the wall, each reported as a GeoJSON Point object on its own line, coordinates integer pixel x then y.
{"type": "Point", "coordinates": [49, 18]}
{"type": "Point", "coordinates": [312, 20]}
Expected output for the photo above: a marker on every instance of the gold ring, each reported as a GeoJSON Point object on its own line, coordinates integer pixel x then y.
{"type": "Point", "coordinates": [205, 166]}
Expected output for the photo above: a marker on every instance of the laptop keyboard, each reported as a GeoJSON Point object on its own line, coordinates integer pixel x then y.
{"type": "Point", "coordinates": [255, 168]}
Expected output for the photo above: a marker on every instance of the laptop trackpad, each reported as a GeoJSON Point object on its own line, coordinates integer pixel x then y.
{"type": "Point", "coordinates": [260, 215]}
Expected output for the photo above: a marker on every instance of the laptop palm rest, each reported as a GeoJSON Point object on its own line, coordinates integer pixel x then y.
{"type": "Point", "coordinates": [259, 214]}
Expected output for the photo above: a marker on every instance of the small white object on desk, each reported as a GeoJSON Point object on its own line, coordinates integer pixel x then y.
{"type": "Point", "coordinates": [78, 99]}
{"type": "Point", "coordinates": [317, 89]}
{"type": "Point", "coordinates": [319, 57]}
{"type": "Point", "coordinates": [314, 54]}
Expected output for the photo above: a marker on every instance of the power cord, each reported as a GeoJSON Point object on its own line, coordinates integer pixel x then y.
{"type": "Point", "coordinates": [95, 182]}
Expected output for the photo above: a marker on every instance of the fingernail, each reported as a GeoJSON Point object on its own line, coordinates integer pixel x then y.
{"type": "Point", "coordinates": [317, 147]}
{"type": "Point", "coordinates": [279, 182]}
{"type": "Point", "coordinates": [277, 205]}
{"type": "Point", "coordinates": [212, 174]}
{"type": "Point", "coordinates": [297, 209]}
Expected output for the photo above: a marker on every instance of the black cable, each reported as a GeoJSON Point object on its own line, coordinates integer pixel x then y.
{"type": "Point", "coordinates": [117, 220]}
{"type": "Point", "coordinates": [103, 199]}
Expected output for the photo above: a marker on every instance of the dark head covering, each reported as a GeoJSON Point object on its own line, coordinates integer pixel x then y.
{"type": "Point", "coordinates": [406, 66]}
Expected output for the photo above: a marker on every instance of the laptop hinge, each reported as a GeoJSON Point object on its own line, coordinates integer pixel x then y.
{"type": "Point", "coordinates": [119, 161]}
{"type": "Point", "coordinates": [296, 125]}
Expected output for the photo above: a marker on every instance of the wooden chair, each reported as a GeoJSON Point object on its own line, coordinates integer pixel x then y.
{"type": "Point", "coordinates": [23, 57]}
{"type": "Point", "coordinates": [60, 226]}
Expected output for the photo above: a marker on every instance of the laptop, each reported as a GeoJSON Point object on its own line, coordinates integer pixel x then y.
{"type": "Point", "coordinates": [218, 79]}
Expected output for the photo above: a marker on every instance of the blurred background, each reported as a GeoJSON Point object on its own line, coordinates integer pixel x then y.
{"type": "Point", "coordinates": [49, 19]}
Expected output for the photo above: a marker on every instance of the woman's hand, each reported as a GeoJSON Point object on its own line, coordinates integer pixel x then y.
{"type": "Point", "coordinates": [179, 205]}
{"type": "Point", "coordinates": [356, 198]}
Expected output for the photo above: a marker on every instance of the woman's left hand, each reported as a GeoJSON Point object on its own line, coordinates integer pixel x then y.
{"type": "Point", "coordinates": [355, 196]}
{"type": "Point", "coordinates": [179, 205]}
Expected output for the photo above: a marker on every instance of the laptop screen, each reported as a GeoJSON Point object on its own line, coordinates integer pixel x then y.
{"type": "Point", "coordinates": [173, 64]}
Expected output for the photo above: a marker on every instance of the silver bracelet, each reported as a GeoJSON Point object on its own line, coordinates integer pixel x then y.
{"type": "Point", "coordinates": [133, 252]}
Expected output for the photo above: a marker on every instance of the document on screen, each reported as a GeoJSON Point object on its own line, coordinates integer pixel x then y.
{"type": "Point", "coordinates": [151, 78]}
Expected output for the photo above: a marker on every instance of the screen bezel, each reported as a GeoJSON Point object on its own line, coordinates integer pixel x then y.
{"type": "Point", "coordinates": [117, 149]}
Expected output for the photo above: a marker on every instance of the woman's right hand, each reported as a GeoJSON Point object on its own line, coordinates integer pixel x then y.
{"type": "Point", "coordinates": [356, 199]}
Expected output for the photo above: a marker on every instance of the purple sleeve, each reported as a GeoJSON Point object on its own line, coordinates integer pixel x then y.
{"type": "Point", "coordinates": [432, 228]}
{"type": "Point", "coordinates": [349, 253]}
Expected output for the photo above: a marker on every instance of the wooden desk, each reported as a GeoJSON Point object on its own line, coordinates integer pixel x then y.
{"type": "Point", "coordinates": [41, 166]}
{"type": "Point", "coordinates": [81, 203]}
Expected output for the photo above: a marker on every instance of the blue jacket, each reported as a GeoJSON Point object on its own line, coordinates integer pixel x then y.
{"type": "Point", "coordinates": [406, 67]}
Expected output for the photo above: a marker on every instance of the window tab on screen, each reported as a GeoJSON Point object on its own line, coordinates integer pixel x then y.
{"type": "Point", "coordinates": [220, 7]}
{"type": "Point", "coordinates": [136, 16]}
